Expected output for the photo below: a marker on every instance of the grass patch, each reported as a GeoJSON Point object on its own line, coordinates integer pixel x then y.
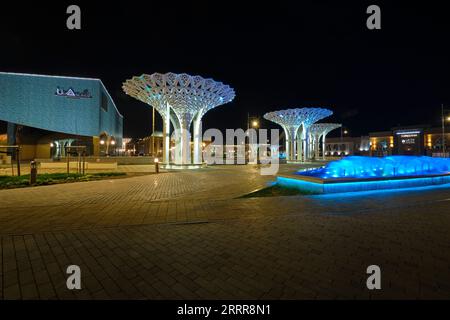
{"type": "Point", "coordinates": [7, 182]}
{"type": "Point", "coordinates": [275, 191]}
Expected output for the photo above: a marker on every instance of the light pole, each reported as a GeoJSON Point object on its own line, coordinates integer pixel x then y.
{"type": "Point", "coordinates": [252, 122]}
{"type": "Point", "coordinates": [153, 132]}
{"type": "Point", "coordinates": [344, 131]}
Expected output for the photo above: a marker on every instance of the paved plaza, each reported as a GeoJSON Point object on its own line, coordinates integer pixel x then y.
{"type": "Point", "coordinates": [188, 235]}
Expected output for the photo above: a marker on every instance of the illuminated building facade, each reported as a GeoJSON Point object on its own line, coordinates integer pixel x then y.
{"type": "Point", "coordinates": [181, 100]}
{"type": "Point", "coordinates": [410, 140]}
{"type": "Point", "coordinates": [44, 114]}
{"type": "Point", "coordinates": [381, 143]}
{"type": "Point", "coordinates": [339, 147]}
{"type": "Point", "coordinates": [152, 145]}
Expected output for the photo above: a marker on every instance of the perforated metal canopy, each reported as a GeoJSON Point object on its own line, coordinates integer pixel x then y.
{"type": "Point", "coordinates": [298, 116]}
{"type": "Point", "coordinates": [187, 95]}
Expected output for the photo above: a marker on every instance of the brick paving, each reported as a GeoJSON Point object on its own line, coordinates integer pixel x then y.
{"type": "Point", "coordinates": [186, 235]}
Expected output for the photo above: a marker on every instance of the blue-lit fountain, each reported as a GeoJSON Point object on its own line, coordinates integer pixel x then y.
{"type": "Point", "coordinates": [357, 173]}
{"type": "Point", "coordinates": [393, 166]}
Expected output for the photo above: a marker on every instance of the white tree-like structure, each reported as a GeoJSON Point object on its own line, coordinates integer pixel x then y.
{"type": "Point", "coordinates": [181, 100]}
{"type": "Point", "coordinates": [318, 131]}
{"type": "Point", "coordinates": [296, 123]}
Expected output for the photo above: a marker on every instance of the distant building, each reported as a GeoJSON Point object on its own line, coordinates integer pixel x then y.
{"type": "Point", "coordinates": [338, 147]}
{"type": "Point", "coordinates": [381, 143]}
{"type": "Point", "coordinates": [409, 140]}
{"type": "Point", "coordinates": [150, 146]}
{"type": "Point", "coordinates": [44, 114]}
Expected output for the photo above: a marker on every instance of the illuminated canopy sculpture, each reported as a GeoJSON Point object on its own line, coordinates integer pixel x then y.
{"type": "Point", "coordinates": [320, 130]}
{"type": "Point", "coordinates": [296, 123]}
{"type": "Point", "coordinates": [180, 99]}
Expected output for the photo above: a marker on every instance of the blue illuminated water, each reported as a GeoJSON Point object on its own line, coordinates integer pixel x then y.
{"type": "Point", "coordinates": [372, 167]}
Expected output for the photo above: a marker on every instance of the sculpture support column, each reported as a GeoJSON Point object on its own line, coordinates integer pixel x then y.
{"type": "Point", "coordinates": [287, 143]}
{"type": "Point", "coordinates": [294, 147]}
{"type": "Point", "coordinates": [185, 146]}
{"type": "Point", "coordinates": [291, 146]}
{"type": "Point", "coordinates": [288, 149]}
{"type": "Point", "coordinates": [185, 139]}
{"type": "Point", "coordinates": [316, 147]}
{"type": "Point", "coordinates": [306, 145]}
{"type": "Point", "coordinates": [166, 135]}
{"type": "Point", "coordinates": [299, 147]}
{"type": "Point", "coordinates": [308, 139]}
{"type": "Point", "coordinates": [198, 140]}
{"type": "Point", "coordinates": [323, 146]}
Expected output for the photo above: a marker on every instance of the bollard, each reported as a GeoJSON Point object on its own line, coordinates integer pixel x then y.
{"type": "Point", "coordinates": [33, 172]}
{"type": "Point", "coordinates": [156, 165]}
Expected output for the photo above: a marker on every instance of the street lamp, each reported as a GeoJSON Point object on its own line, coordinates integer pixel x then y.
{"type": "Point", "coordinates": [253, 122]}
{"type": "Point", "coordinates": [156, 165]}
{"type": "Point", "coordinates": [343, 132]}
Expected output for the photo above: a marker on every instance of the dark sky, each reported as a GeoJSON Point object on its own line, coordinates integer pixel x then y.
{"type": "Point", "coordinates": [277, 55]}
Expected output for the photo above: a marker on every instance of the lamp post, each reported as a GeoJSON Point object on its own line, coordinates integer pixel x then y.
{"type": "Point", "coordinates": [113, 144]}
{"type": "Point", "coordinates": [252, 122]}
{"type": "Point", "coordinates": [156, 165]}
{"type": "Point", "coordinates": [344, 131]}
{"type": "Point", "coordinates": [255, 125]}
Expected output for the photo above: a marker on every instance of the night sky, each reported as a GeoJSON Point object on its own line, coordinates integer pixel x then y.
{"type": "Point", "coordinates": [276, 55]}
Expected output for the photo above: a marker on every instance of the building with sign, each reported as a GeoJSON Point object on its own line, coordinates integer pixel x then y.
{"type": "Point", "coordinates": [410, 140]}
{"type": "Point", "coordinates": [45, 114]}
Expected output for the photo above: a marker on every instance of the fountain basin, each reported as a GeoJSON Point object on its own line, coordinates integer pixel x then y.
{"type": "Point", "coordinates": [353, 174]}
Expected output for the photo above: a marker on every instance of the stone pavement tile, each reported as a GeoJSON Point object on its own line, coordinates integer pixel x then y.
{"type": "Point", "coordinates": [12, 292]}
{"type": "Point", "coordinates": [166, 291]}
{"type": "Point", "coordinates": [46, 291]}
{"type": "Point", "coordinates": [30, 291]}
{"type": "Point", "coordinates": [41, 278]}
